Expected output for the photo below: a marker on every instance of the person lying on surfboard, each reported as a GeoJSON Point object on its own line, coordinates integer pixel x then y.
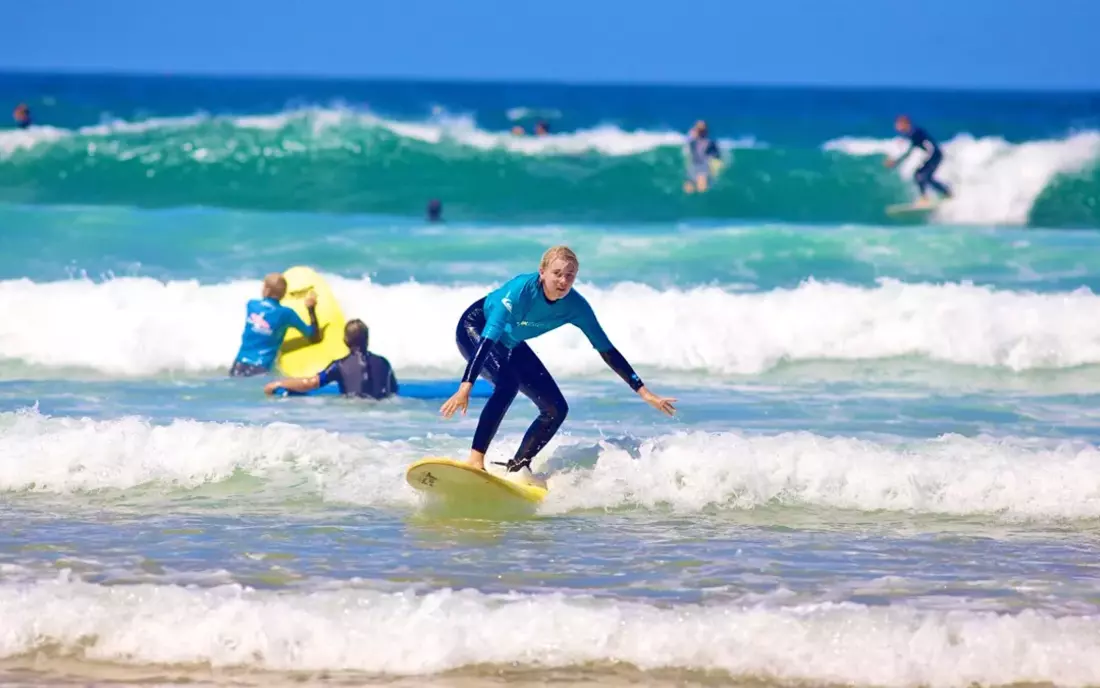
{"type": "Point", "coordinates": [266, 322]}
{"type": "Point", "coordinates": [924, 176]}
{"type": "Point", "coordinates": [491, 336]}
{"type": "Point", "coordinates": [359, 374]}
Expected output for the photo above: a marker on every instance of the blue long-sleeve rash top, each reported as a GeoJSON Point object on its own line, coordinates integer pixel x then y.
{"type": "Point", "coordinates": [519, 310]}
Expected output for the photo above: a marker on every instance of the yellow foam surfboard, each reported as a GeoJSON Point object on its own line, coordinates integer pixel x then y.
{"type": "Point", "coordinates": [914, 207]}
{"type": "Point", "coordinates": [298, 356]}
{"type": "Point", "coordinates": [457, 481]}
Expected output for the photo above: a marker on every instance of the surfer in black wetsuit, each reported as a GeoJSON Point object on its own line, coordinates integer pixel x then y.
{"type": "Point", "coordinates": [924, 176]}
{"type": "Point", "coordinates": [359, 374]}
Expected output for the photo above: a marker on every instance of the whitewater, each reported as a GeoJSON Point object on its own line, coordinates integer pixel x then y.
{"type": "Point", "coordinates": [372, 164]}
{"type": "Point", "coordinates": [147, 327]}
{"type": "Point", "coordinates": [884, 469]}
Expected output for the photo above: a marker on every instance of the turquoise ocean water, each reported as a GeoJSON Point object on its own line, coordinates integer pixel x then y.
{"type": "Point", "coordinates": [884, 471]}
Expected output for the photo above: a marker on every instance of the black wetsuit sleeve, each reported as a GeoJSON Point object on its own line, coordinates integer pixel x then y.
{"type": "Point", "coordinates": [313, 323]}
{"type": "Point", "coordinates": [389, 383]}
{"type": "Point", "coordinates": [331, 374]}
{"type": "Point", "coordinates": [473, 368]}
{"type": "Point", "coordinates": [615, 360]}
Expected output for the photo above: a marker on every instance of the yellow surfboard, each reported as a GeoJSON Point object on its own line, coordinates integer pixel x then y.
{"type": "Point", "coordinates": [298, 356]}
{"type": "Point", "coordinates": [457, 481]}
{"type": "Point", "coordinates": [914, 207]}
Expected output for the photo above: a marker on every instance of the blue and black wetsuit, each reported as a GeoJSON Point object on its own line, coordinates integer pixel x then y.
{"type": "Point", "coordinates": [265, 328]}
{"type": "Point", "coordinates": [702, 149]}
{"type": "Point", "coordinates": [361, 374]}
{"type": "Point", "coordinates": [919, 138]}
{"type": "Point", "coordinates": [491, 336]}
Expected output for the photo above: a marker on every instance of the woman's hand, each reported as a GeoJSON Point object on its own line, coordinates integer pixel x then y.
{"type": "Point", "coordinates": [458, 400]}
{"type": "Point", "coordinates": [662, 404]}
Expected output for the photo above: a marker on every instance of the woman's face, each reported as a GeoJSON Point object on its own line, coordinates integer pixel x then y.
{"type": "Point", "coordinates": [557, 278]}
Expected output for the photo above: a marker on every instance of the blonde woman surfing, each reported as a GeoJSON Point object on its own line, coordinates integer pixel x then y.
{"type": "Point", "coordinates": [492, 336]}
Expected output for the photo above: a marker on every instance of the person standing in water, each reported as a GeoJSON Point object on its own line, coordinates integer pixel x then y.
{"type": "Point", "coordinates": [492, 334]}
{"type": "Point", "coordinates": [435, 210]}
{"type": "Point", "coordinates": [704, 158]}
{"type": "Point", "coordinates": [925, 174]}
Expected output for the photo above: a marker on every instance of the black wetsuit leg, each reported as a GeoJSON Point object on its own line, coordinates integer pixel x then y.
{"type": "Point", "coordinates": [510, 372]}
{"type": "Point", "coordinates": [495, 370]}
{"type": "Point", "coordinates": [537, 385]}
{"type": "Point", "coordinates": [925, 173]}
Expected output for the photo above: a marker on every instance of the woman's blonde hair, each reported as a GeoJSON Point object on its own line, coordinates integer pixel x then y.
{"type": "Point", "coordinates": [559, 252]}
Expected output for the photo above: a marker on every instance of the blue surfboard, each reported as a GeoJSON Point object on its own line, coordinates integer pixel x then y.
{"type": "Point", "coordinates": [411, 389]}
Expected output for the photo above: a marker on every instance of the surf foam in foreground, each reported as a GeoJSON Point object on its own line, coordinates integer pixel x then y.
{"type": "Point", "coordinates": [404, 633]}
{"type": "Point", "coordinates": [1006, 477]}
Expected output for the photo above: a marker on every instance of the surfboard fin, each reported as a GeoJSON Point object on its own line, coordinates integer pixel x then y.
{"type": "Point", "coordinates": [514, 465]}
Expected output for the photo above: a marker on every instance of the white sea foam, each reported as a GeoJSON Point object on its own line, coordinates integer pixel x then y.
{"type": "Point", "coordinates": [141, 326]}
{"type": "Point", "coordinates": [1000, 477]}
{"type": "Point", "coordinates": [388, 633]}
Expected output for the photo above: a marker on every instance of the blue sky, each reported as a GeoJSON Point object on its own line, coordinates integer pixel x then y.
{"type": "Point", "coordinates": [953, 43]}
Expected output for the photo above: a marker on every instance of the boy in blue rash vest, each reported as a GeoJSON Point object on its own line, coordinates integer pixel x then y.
{"type": "Point", "coordinates": [924, 176]}
{"type": "Point", "coordinates": [265, 328]}
{"type": "Point", "coordinates": [359, 374]}
{"type": "Point", "coordinates": [491, 336]}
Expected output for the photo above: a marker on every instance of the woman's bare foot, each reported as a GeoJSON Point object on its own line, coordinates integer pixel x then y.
{"type": "Point", "coordinates": [477, 460]}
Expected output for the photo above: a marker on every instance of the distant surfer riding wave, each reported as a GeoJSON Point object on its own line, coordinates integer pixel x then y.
{"type": "Point", "coordinates": [925, 176]}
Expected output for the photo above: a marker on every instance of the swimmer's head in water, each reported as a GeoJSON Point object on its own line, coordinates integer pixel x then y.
{"type": "Point", "coordinates": [542, 128]}
{"type": "Point", "coordinates": [274, 286]}
{"type": "Point", "coordinates": [357, 335]}
{"type": "Point", "coordinates": [435, 209]}
{"type": "Point", "coordinates": [902, 124]}
{"type": "Point", "coordinates": [558, 270]}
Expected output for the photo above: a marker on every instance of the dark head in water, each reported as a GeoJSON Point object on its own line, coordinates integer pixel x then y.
{"type": "Point", "coordinates": [22, 115]}
{"type": "Point", "coordinates": [435, 210]}
{"type": "Point", "coordinates": [357, 335]}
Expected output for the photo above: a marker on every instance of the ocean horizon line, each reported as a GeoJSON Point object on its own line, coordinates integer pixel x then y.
{"type": "Point", "coordinates": [99, 72]}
